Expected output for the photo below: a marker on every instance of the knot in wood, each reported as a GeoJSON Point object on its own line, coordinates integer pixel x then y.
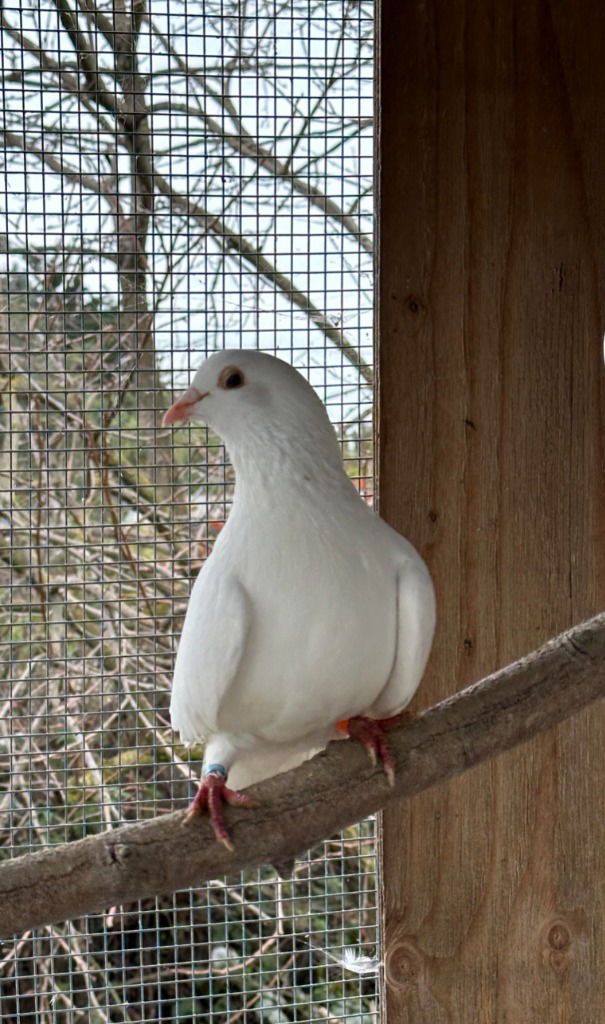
{"type": "Point", "coordinates": [558, 939]}
{"type": "Point", "coordinates": [403, 964]}
{"type": "Point", "coordinates": [118, 853]}
{"type": "Point", "coordinates": [414, 305]}
{"type": "Point", "coordinates": [559, 936]}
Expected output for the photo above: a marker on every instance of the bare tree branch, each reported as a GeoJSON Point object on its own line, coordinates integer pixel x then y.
{"type": "Point", "coordinates": [125, 117]}
{"type": "Point", "coordinates": [324, 795]}
{"type": "Point", "coordinates": [246, 145]}
{"type": "Point", "coordinates": [86, 56]}
{"type": "Point", "coordinates": [232, 242]}
{"type": "Point", "coordinates": [18, 140]}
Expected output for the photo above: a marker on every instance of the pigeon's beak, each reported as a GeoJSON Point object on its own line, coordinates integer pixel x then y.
{"type": "Point", "coordinates": [183, 407]}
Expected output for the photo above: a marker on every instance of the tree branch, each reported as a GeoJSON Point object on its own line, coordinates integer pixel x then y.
{"type": "Point", "coordinates": [246, 145]}
{"type": "Point", "coordinates": [86, 57]}
{"type": "Point", "coordinates": [231, 242]}
{"type": "Point", "coordinates": [298, 809]}
{"type": "Point", "coordinates": [242, 142]}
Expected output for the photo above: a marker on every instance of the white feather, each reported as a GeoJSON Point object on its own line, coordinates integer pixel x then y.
{"type": "Point", "coordinates": [310, 608]}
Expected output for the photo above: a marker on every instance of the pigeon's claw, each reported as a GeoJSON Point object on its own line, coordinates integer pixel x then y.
{"type": "Point", "coordinates": [211, 795]}
{"type": "Point", "coordinates": [371, 732]}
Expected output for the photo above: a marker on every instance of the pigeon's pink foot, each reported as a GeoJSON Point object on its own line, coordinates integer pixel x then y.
{"type": "Point", "coordinates": [211, 795]}
{"type": "Point", "coordinates": [371, 733]}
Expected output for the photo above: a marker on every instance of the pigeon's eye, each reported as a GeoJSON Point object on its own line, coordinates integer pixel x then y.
{"type": "Point", "coordinates": [231, 378]}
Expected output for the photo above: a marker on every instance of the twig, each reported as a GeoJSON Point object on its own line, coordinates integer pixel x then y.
{"type": "Point", "coordinates": [232, 243]}
{"type": "Point", "coordinates": [297, 809]}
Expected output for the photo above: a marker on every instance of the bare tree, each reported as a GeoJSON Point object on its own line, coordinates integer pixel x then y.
{"type": "Point", "coordinates": [154, 192]}
{"type": "Point", "coordinates": [157, 146]}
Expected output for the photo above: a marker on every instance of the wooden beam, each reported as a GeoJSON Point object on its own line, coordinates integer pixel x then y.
{"type": "Point", "coordinates": [491, 459]}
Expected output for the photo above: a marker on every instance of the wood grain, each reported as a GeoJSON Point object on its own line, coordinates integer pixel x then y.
{"type": "Point", "coordinates": [491, 437]}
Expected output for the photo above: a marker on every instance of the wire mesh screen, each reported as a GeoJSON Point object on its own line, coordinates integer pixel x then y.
{"type": "Point", "coordinates": [177, 178]}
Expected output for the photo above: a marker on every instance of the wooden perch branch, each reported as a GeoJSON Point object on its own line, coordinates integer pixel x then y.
{"type": "Point", "coordinates": [298, 809]}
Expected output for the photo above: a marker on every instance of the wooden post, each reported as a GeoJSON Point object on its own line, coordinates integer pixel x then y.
{"type": "Point", "coordinates": [491, 459]}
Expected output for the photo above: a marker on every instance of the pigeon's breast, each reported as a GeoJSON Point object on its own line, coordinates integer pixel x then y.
{"type": "Point", "coordinates": [322, 637]}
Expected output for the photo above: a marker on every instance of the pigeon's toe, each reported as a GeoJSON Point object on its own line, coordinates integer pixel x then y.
{"type": "Point", "coordinates": [212, 794]}
{"type": "Point", "coordinates": [371, 732]}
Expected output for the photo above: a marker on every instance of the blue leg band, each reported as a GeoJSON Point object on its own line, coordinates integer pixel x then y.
{"type": "Point", "coordinates": [217, 769]}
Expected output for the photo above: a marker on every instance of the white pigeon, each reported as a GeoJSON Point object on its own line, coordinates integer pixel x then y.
{"type": "Point", "coordinates": [311, 616]}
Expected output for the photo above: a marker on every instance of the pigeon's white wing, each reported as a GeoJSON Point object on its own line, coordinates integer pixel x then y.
{"type": "Point", "coordinates": [415, 627]}
{"type": "Point", "coordinates": [210, 653]}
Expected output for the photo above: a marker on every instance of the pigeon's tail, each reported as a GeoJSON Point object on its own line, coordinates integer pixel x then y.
{"type": "Point", "coordinates": [258, 764]}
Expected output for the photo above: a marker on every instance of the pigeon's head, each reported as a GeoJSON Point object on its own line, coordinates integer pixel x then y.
{"type": "Point", "coordinates": [247, 397]}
